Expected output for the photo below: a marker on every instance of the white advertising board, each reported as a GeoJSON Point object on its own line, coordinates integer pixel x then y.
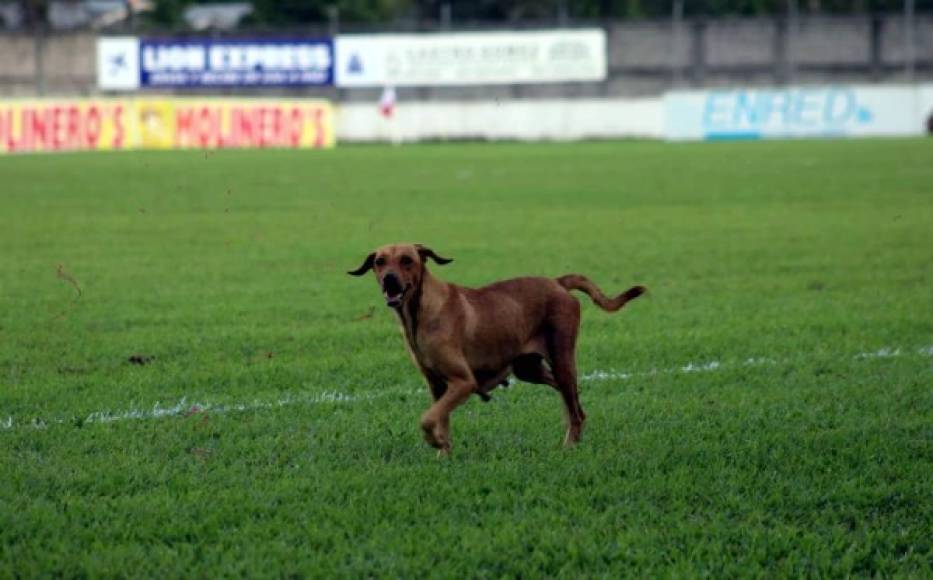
{"type": "Point", "coordinates": [118, 63]}
{"type": "Point", "coordinates": [480, 58]}
{"type": "Point", "coordinates": [792, 112]}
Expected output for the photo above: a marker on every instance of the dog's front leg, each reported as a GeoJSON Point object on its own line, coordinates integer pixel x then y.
{"type": "Point", "coordinates": [437, 386]}
{"type": "Point", "coordinates": [436, 421]}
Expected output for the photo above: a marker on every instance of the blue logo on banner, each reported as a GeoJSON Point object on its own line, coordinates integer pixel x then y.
{"type": "Point", "coordinates": [355, 66]}
{"type": "Point", "coordinates": [236, 63]}
{"type": "Point", "coordinates": [117, 62]}
{"type": "Point", "coordinates": [751, 114]}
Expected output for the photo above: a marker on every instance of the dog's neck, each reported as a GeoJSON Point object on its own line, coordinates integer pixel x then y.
{"type": "Point", "coordinates": [425, 304]}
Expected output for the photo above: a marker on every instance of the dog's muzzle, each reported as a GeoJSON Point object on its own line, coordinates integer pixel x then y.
{"type": "Point", "coordinates": [392, 290]}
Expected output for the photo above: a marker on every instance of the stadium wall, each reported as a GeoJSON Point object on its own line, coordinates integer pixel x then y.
{"type": "Point", "coordinates": [520, 120]}
{"type": "Point", "coordinates": [833, 111]}
{"type": "Point", "coordinates": [33, 125]}
{"type": "Point", "coordinates": [644, 58]}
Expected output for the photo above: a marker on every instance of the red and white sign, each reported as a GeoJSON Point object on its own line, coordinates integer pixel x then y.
{"type": "Point", "coordinates": [164, 123]}
{"type": "Point", "coordinates": [62, 126]}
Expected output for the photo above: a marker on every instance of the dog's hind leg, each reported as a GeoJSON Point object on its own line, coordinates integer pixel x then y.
{"type": "Point", "coordinates": [562, 340]}
{"type": "Point", "coordinates": [486, 381]}
{"type": "Point", "coordinates": [531, 368]}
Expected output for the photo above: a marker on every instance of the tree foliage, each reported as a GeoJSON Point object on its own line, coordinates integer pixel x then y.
{"type": "Point", "coordinates": [290, 13]}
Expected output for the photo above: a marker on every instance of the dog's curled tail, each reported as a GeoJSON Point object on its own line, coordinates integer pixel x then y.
{"type": "Point", "coordinates": [578, 282]}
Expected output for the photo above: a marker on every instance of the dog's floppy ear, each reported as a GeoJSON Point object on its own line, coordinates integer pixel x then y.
{"type": "Point", "coordinates": [366, 267]}
{"type": "Point", "coordinates": [429, 253]}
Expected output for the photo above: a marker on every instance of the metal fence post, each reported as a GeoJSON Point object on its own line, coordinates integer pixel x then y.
{"type": "Point", "coordinates": [39, 47]}
{"type": "Point", "coordinates": [910, 47]}
{"type": "Point", "coordinates": [677, 21]}
{"type": "Point", "coordinates": [780, 50]}
{"type": "Point", "coordinates": [333, 28]}
{"type": "Point", "coordinates": [608, 27]}
{"type": "Point", "coordinates": [698, 52]}
{"type": "Point", "coordinates": [446, 15]}
{"type": "Point", "coordinates": [333, 19]}
{"type": "Point", "coordinates": [793, 26]}
{"type": "Point", "coordinates": [130, 15]}
{"type": "Point", "coordinates": [876, 27]}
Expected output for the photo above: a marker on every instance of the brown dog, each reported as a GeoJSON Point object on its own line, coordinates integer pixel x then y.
{"type": "Point", "coordinates": [467, 341]}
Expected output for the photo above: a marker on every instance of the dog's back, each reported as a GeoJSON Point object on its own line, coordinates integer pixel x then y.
{"type": "Point", "coordinates": [502, 319]}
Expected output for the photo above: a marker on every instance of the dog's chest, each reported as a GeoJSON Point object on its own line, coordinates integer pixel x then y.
{"type": "Point", "coordinates": [424, 337]}
{"type": "Point", "coordinates": [424, 345]}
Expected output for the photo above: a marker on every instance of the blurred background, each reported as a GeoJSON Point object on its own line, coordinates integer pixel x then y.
{"type": "Point", "coordinates": [47, 46]}
{"type": "Point", "coordinates": [643, 49]}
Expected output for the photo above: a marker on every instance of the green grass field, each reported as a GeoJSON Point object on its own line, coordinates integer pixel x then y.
{"type": "Point", "coordinates": [766, 410]}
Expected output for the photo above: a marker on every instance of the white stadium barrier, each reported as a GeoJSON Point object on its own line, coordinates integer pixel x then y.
{"type": "Point", "coordinates": [722, 114]}
{"type": "Point", "coordinates": [798, 112]}
{"type": "Point", "coordinates": [520, 120]}
{"type": "Point", "coordinates": [926, 105]}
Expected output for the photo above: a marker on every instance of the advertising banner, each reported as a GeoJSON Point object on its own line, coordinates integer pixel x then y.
{"type": "Point", "coordinates": [164, 123]}
{"type": "Point", "coordinates": [479, 58]}
{"type": "Point", "coordinates": [838, 111]}
{"type": "Point", "coordinates": [118, 63]}
{"type": "Point", "coordinates": [232, 123]}
{"type": "Point", "coordinates": [67, 125]}
{"type": "Point", "coordinates": [127, 63]}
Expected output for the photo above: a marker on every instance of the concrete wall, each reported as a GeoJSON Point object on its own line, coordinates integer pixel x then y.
{"type": "Point", "coordinates": [645, 58]}
{"type": "Point", "coordinates": [825, 41]}
{"type": "Point", "coordinates": [67, 61]}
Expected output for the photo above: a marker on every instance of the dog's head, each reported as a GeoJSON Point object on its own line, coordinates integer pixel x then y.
{"type": "Point", "coordinates": [399, 269]}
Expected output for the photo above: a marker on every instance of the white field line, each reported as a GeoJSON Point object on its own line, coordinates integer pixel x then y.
{"type": "Point", "coordinates": [603, 375]}
{"type": "Point", "coordinates": [685, 369]}
{"type": "Point", "coordinates": [184, 407]}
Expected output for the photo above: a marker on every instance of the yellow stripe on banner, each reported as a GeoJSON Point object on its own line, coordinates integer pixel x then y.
{"type": "Point", "coordinates": [164, 123]}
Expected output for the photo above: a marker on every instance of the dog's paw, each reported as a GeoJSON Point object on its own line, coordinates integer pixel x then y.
{"type": "Point", "coordinates": [428, 425]}
{"type": "Point", "coordinates": [431, 440]}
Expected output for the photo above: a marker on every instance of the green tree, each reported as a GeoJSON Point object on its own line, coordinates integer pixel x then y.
{"type": "Point", "coordinates": [296, 12]}
{"type": "Point", "coordinates": [166, 13]}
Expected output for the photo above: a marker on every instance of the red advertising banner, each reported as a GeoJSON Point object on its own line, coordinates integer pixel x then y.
{"type": "Point", "coordinates": [27, 126]}
{"type": "Point", "coordinates": [164, 123]}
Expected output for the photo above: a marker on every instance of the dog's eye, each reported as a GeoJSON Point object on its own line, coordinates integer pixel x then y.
{"type": "Point", "coordinates": [406, 261]}
{"type": "Point", "coordinates": [380, 261]}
